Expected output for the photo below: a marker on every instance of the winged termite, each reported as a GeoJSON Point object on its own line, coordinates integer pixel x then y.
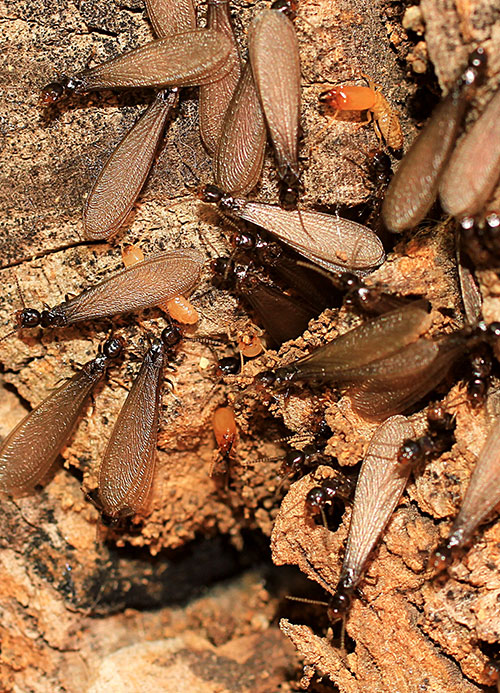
{"type": "Point", "coordinates": [380, 485]}
{"type": "Point", "coordinates": [119, 183]}
{"type": "Point", "coordinates": [128, 465]}
{"type": "Point", "coordinates": [215, 98]}
{"type": "Point", "coordinates": [394, 384]}
{"type": "Point", "coordinates": [482, 495]}
{"type": "Point", "coordinates": [283, 317]}
{"type": "Point", "coordinates": [183, 60]}
{"type": "Point", "coordinates": [371, 100]}
{"type": "Point", "coordinates": [369, 343]}
{"type": "Point", "coordinates": [240, 152]}
{"type": "Point", "coordinates": [274, 55]}
{"type": "Point", "coordinates": [169, 17]}
{"type": "Point", "coordinates": [331, 242]}
{"type": "Point", "coordinates": [414, 187]}
{"type": "Point", "coordinates": [29, 451]}
{"type": "Point", "coordinates": [474, 167]}
{"type": "Point", "coordinates": [140, 286]}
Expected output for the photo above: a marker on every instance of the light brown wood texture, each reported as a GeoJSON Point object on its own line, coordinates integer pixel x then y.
{"type": "Point", "coordinates": [412, 632]}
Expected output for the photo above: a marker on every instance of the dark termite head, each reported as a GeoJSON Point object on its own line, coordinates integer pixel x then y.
{"type": "Point", "coordinates": [340, 603]}
{"type": "Point", "coordinates": [287, 7]}
{"type": "Point", "coordinates": [279, 376]}
{"type": "Point", "coordinates": [442, 557]}
{"type": "Point", "coordinates": [55, 91]}
{"type": "Point", "coordinates": [171, 336]}
{"type": "Point", "coordinates": [30, 317]}
{"type": "Point", "coordinates": [109, 351]}
{"type": "Point", "coordinates": [213, 194]}
{"type": "Point", "coordinates": [380, 167]}
{"type": "Point", "coordinates": [243, 240]}
{"type": "Point", "coordinates": [113, 347]}
{"type": "Point", "coordinates": [289, 189]}
{"type": "Point", "coordinates": [229, 365]}
{"type": "Point", "coordinates": [210, 193]}
{"type": "Point", "coordinates": [316, 499]}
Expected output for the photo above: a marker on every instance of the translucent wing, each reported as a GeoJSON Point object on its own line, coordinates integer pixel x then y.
{"type": "Point", "coordinates": [340, 360]}
{"type": "Point", "coordinates": [240, 154]}
{"type": "Point", "coordinates": [414, 187]}
{"type": "Point", "coordinates": [394, 384]}
{"type": "Point", "coordinates": [380, 485]}
{"type": "Point", "coordinates": [215, 97]}
{"type": "Point", "coordinates": [128, 465]}
{"type": "Point", "coordinates": [118, 185]}
{"type": "Point", "coordinates": [274, 55]}
{"type": "Point", "coordinates": [170, 17]}
{"type": "Point", "coordinates": [143, 285]}
{"type": "Point", "coordinates": [474, 166]}
{"type": "Point", "coordinates": [188, 59]}
{"type": "Point", "coordinates": [29, 451]}
{"type": "Point", "coordinates": [327, 240]}
{"type": "Point", "coordinates": [483, 492]}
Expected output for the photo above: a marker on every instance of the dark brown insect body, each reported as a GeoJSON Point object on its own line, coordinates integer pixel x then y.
{"type": "Point", "coordinates": [140, 286]}
{"type": "Point", "coordinates": [128, 464]}
{"type": "Point", "coordinates": [413, 189]}
{"type": "Point", "coordinates": [29, 451]}
{"type": "Point", "coordinates": [283, 317]}
{"type": "Point", "coordinates": [439, 437]}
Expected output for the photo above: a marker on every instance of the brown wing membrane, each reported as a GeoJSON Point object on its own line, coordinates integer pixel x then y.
{"type": "Point", "coordinates": [483, 492]}
{"type": "Point", "coordinates": [120, 181]}
{"type": "Point", "coordinates": [282, 316]}
{"type": "Point", "coordinates": [188, 59]}
{"type": "Point", "coordinates": [240, 154]}
{"type": "Point", "coordinates": [29, 451]}
{"type": "Point", "coordinates": [215, 97]}
{"type": "Point", "coordinates": [380, 485]}
{"type": "Point", "coordinates": [274, 56]}
{"type": "Point", "coordinates": [474, 166]}
{"type": "Point", "coordinates": [327, 240]}
{"type": "Point", "coordinates": [394, 384]}
{"type": "Point", "coordinates": [129, 461]}
{"type": "Point", "coordinates": [141, 286]}
{"type": "Point", "coordinates": [413, 189]}
{"type": "Point", "coordinates": [170, 17]}
{"type": "Point", "coordinates": [371, 341]}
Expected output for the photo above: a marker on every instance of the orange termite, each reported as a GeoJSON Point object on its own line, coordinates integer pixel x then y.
{"type": "Point", "coordinates": [250, 345]}
{"type": "Point", "coordinates": [371, 100]}
{"type": "Point", "coordinates": [225, 430]}
{"type": "Point", "coordinates": [179, 308]}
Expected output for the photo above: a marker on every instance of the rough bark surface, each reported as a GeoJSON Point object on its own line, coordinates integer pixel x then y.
{"type": "Point", "coordinates": [410, 632]}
